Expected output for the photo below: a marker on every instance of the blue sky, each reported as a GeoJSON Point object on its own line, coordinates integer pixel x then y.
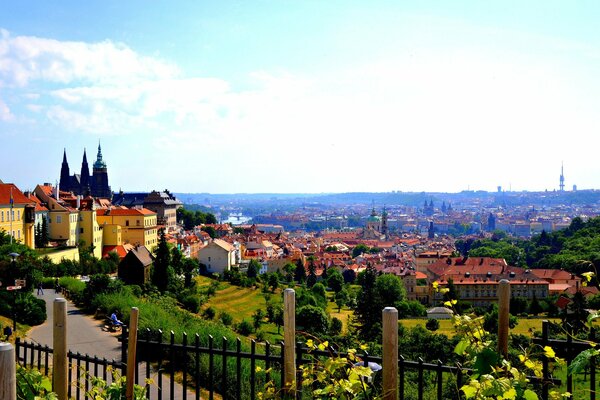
{"type": "Point", "coordinates": [303, 96]}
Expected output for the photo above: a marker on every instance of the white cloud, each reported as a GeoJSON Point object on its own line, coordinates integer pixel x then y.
{"type": "Point", "coordinates": [5, 113]}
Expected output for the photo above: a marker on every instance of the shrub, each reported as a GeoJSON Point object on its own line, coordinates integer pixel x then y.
{"type": "Point", "coordinates": [209, 313]}
{"type": "Point", "coordinates": [244, 328]}
{"type": "Point", "coordinates": [226, 318]}
{"type": "Point", "coordinates": [191, 303]}
{"type": "Point", "coordinates": [432, 324]}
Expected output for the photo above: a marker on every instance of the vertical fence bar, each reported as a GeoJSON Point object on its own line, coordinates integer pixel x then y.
{"type": "Point", "coordinates": [390, 353]}
{"type": "Point", "coordinates": [172, 365]}
{"type": "Point", "coordinates": [239, 369]}
{"type": "Point", "coordinates": [224, 371]}
{"type": "Point", "coordinates": [268, 360]}
{"type": "Point", "coordinates": [8, 372]}
{"type": "Point", "coordinates": [87, 373]}
{"type": "Point", "coordinates": [77, 374]}
{"type": "Point", "coordinates": [46, 357]}
{"type": "Point", "coordinates": [124, 336]}
{"type": "Point", "coordinates": [252, 368]}
{"type": "Point", "coordinates": [59, 341]}
{"type": "Point", "coordinates": [592, 369]}
{"type": "Point", "coordinates": [503, 316]}
{"type": "Point", "coordinates": [420, 382]}
{"type": "Point", "coordinates": [545, 367]}
{"type": "Point", "coordinates": [184, 342]}
{"type": "Point", "coordinates": [439, 379]}
{"type": "Point", "coordinates": [211, 368]}
{"type": "Point", "coordinates": [402, 377]}
{"type": "Point", "coordinates": [197, 366]}
{"type": "Point", "coordinates": [131, 352]}
{"type": "Point", "coordinates": [569, 356]}
{"type": "Point", "coordinates": [160, 357]}
{"type": "Point", "coordinates": [70, 377]}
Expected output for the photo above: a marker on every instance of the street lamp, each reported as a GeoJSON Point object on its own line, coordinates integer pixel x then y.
{"type": "Point", "coordinates": [14, 265]}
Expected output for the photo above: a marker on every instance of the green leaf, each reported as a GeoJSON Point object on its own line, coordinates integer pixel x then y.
{"type": "Point", "coordinates": [461, 347]}
{"type": "Point", "coordinates": [469, 391]}
{"type": "Point", "coordinates": [485, 360]}
{"type": "Point", "coordinates": [529, 395]}
{"type": "Point", "coordinates": [582, 360]}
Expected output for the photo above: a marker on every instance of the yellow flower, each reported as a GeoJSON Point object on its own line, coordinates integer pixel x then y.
{"type": "Point", "coordinates": [549, 352]}
{"type": "Point", "coordinates": [310, 343]}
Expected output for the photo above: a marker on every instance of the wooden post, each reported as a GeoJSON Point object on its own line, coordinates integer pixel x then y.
{"type": "Point", "coordinates": [8, 372]}
{"type": "Point", "coordinates": [390, 353]}
{"type": "Point", "coordinates": [503, 316]}
{"type": "Point", "coordinates": [59, 357]}
{"type": "Point", "coordinates": [131, 352]}
{"type": "Point", "coordinates": [289, 340]}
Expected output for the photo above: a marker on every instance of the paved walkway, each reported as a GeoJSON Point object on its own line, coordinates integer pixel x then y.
{"type": "Point", "coordinates": [85, 335]}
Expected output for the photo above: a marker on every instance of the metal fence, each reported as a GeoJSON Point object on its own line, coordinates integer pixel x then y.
{"type": "Point", "coordinates": [227, 370]}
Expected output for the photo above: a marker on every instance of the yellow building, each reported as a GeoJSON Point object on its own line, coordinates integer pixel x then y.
{"type": "Point", "coordinates": [138, 226]}
{"type": "Point", "coordinates": [89, 229]}
{"type": "Point", "coordinates": [17, 214]}
{"type": "Point", "coordinates": [63, 220]}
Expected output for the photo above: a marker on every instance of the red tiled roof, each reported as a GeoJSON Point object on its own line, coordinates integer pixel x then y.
{"type": "Point", "coordinates": [124, 212]}
{"type": "Point", "coordinates": [18, 196]}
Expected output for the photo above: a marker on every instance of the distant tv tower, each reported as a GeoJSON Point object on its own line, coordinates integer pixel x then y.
{"type": "Point", "coordinates": [562, 179]}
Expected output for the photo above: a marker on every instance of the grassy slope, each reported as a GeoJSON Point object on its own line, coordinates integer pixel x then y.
{"type": "Point", "coordinates": [241, 303]}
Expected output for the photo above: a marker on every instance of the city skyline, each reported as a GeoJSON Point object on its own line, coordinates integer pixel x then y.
{"type": "Point", "coordinates": [303, 97]}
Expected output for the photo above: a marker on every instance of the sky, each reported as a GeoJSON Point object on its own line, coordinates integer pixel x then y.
{"type": "Point", "coordinates": [302, 96]}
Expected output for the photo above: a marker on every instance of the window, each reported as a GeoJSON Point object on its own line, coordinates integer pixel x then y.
{"type": "Point", "coordinates": [127, 223]}
{"type": "Point", "coordinates": [2, 216]}
{"type": "Point", "coordinates": [18, 215]}
{"type": "Point", "coordinates": [80, 230]}
{"type": "Point", "coordinates": [58, 219]}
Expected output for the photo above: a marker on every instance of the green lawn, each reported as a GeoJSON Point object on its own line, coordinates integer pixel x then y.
{"type": "Point", "coordinates": [241, 303]}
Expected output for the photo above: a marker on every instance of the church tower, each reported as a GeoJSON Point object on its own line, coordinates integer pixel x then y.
{"type": "Point", "coordinates": [384, 223]}
{"type": "Point", "coordinates": [65, 175]}
{"type": "Point", "coordinates": [85, 176]}
{"type": "Point", "coordinates": [99, 184]}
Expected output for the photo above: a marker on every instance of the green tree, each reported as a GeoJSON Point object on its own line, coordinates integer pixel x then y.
{"type": "Point", "coordinates": [367, 312]}
{"type": "Point", "coordinates": [335, 280]}
{"type": "Point", "coordinates": [257, 318]}
{"type": "Point", "coordinates": [162, 272]}
{"type": "Point", "coordinates": [341, 299]}
{"type": "Point", "coordinates": [253, 268]}
{"type": "Point", "coordinates": [359, 249]}
{"type": "Point", "coordinates": [300, 272]}
{"type": "Point", "coordinates": [190, 268]}
{"type": "Point", "coordinates": [312, 319]}
{"type": "Point", "coordinates": [311, 279]}
{"type": "Point", "coordinates": [289, 269]}
{"type": "Point", "coordinates": [210, 230]}
{"type": "Point", "coordinates": [177, 261]}
{"type": "Point", "coordinates": [273, 282]}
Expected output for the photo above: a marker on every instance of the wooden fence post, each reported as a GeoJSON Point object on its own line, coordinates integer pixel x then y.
{"type": "Point", "coordinates": [390, 353]}
{"type": "Point", "coordinates": [8, 372]}
{"type": "Point", "coordinates": [503, 316]}
{"type": "Point", "coordinates": [289, 340]}
{"type": "Point", "coordinates": [131, 352]}
{"type": "Point", "coordinates": [59, 356]}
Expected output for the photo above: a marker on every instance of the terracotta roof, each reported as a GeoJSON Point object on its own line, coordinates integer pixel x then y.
{"type": "Point", "coordinates": [223, 244]}
{"type": "Point", "coordinates": [124, 212]}
{"type": "Point", "coordinates": [18, 196]}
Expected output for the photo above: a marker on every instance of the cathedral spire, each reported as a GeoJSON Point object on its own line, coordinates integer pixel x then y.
{"type": "Point", "coordinates": [99, 162]}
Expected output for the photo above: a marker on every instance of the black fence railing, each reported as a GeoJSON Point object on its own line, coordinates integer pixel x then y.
{"type": "Point", "coordinates": [189, 369]}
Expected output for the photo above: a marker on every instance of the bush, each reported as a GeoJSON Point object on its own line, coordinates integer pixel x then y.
{"type": "Point", "coordinates": [209, 313]}
{"type": "Point", "coordinates": [226, 318]}
{"type": "Point", "coordinates": [192, 303]}
{"type": "Point", "coordinates": [244, 328]}
{"type": "Point", "coordinates": [432, 325]}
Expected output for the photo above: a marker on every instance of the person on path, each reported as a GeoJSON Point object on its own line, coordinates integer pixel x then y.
{"type": "Point", "coordinates": [40, 289]}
